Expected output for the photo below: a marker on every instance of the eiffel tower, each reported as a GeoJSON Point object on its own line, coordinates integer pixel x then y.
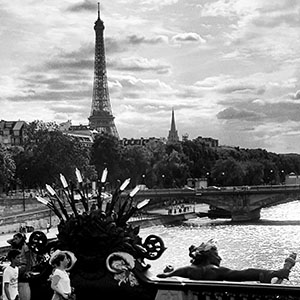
{"type": "Point", "coordinates": [101, 117]}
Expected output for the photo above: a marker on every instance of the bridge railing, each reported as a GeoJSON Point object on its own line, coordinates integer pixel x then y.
{"type": "Point", "coordinates": [250, 189]}
{"type": "Point", "coordinates": [227, 291]}
{"type": "Point", "coordinates": [185, 289]}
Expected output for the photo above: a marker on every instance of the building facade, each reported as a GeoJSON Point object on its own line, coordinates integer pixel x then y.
{"type": "Point", "coordinates": [292, 178]}
{"type": "Point", "coordinates": [12, 133]}
{"type": "Point", "coordinates": [210, 142]}
{"type": "Point", "coordinates": [141, 141]}
{"type": "Point", "coordinates": [81, 132]}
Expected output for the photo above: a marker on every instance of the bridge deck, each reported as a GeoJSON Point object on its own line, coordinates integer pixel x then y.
{"type": "Point", "coordinates": [243, 203]}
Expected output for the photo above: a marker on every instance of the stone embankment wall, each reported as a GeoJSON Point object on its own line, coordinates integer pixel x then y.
{"type": "Point", "coordinates": [16, 213]}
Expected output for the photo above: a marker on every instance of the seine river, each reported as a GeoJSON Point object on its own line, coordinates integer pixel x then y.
{"type": "Point", "coordinates": [262, 245]}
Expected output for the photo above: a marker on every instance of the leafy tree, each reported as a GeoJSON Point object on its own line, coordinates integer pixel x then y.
{"type": "Point", "coordinates": [7, 166]}
{"type": "Point", "coordinates": [135, 163]}
{"type": "Point", "coordinates": [200, 157]}
{"type": "Point", "coordinates": [47, 153]}
{"type": "Point", "coordinates": [228, 172]}
{"type": "Point", "coordinates": [271, 174]}
{"type": "Point", "coordinates": [254, 173]}
{"type": "Point", "coordinates": [106, 152]}
{"type": "Point", "coordinates": [175, 170]}
{"type": "Point", "coordinates": [290, 163]}
{"type": "Point", "coordinates": [156, 172]}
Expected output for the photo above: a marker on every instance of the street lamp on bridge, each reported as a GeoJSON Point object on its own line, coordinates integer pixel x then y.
{"type": "Point", "coordinates": [163, 180]}
{"type": "Point", "coordinates": [207, 178]}
{"type": "Point", "coordinates": [222, 178]}
{"type": "Point", "coordinates": [282, 176]}
{"type": "Point", "coordinates": [143, 178]}
{"type": "Point", "coordinates": [271, 176]}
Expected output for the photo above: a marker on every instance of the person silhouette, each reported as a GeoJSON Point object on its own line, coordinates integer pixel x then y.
{"type": "Point", "coordinates": [27, 261]}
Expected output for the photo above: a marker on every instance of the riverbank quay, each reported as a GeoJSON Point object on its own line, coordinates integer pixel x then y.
{"type": "Point", "coordinates": [13, 218]}
{"type": "Point", "coordinates": [18, 214]}
{"type": "Point", "coordinates": [43, 218]}
{"type": "Point", "coordinates": [40, 218]}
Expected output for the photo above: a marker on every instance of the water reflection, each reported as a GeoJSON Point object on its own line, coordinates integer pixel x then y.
{"type": "Point", "coordinates": [261, 245]}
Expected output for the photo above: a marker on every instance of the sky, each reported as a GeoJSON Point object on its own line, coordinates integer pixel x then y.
{"type": "Point", "coordinates": [230, 69]}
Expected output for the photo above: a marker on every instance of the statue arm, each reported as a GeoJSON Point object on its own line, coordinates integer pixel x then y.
{"type": "Point", "coordinates": [222, 273]}
{"type": "Point", "coordinates": [251, 274]}
{"type": "Point", "coordinates": [186, 272]}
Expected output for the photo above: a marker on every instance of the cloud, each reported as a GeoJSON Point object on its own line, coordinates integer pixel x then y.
{"type": "Point", "coordinates": [83, 64]}
{"type": "Point", "coordinates": [190, 92]}
{"type": "Point", "coordinates": [51, 95]}
{"type": "Point", "coordinates": [139, 64]}
{"type": "Point", "coordinates": [241, 88]}
{"type": "Point", "coordinates": [188, 37]}
{"type": "Point", "coordinates": [225, 84]}
{"type": "Point", "coordinates": [139, 39]}
{"type": "Point", "coordinates": [230, 8]}
{"type": "Point", "coordinates": [296, 96]}
{"type": "Point", "coordinates": [277, 19]}
{"type": "Point", "coordinates": [86, 5]}
{"type": "Point", "coordinates": [246, 75]}
{"type": "Point", "coordinates": [259, 102]}
{"type": "Point", "coordinates": [49, 83]}
{"type": "Point", "coordinates": [83, 52]}
{"type": "Point", "coordinates": [147, 5]}
{"type": "Point", "coordinates": [130, 87]}
{"type": "Point", "coordinates": [239, 114]}
{"type": "Point", "coordinates": [113, 45]}
{"type": "Point", "coordinates": [258, 29]}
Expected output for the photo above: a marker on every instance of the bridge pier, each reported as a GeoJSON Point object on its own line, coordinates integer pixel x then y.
{"type": "Point", "coordinates": [244, 216]}
{"type": "Point", "coordinates": [241, 209]}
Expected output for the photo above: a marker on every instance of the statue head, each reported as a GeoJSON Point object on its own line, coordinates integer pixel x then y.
{"type": "Point", "coordinates": [205, 254]}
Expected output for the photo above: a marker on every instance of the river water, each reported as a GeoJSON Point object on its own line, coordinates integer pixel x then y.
{"type": "Point", "coordinates": [260, 245]}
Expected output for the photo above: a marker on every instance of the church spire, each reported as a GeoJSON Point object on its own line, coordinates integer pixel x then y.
{"type": "Point", "coordinates": [173, 135]}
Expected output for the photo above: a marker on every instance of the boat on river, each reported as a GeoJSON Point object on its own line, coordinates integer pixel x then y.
{"type": "Point", "coordinates": [110, 254]}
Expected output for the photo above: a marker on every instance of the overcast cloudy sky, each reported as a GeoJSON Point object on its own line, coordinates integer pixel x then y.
{"type": "Point", "coordinates": [229, 68]}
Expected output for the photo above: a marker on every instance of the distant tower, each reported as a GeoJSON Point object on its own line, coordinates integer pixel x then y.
{"type": "Point", "coordinates": [173, 135]}
{"type": "Point", "coordinates": [101, 117]}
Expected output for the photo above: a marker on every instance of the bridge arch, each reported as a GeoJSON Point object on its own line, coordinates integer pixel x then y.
{"type": "Point", "coordinates": [244, 204]}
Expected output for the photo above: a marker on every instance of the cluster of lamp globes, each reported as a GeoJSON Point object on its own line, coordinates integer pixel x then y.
{"type": "Point", "coordinates": [79, 177]}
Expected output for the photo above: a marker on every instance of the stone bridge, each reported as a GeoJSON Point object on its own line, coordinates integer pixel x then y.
{"type": "Point", "coordinates": [242, 203]}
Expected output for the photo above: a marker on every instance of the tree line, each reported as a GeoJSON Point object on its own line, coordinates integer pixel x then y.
{"type": "Point", "coordinates": [47, 152]}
